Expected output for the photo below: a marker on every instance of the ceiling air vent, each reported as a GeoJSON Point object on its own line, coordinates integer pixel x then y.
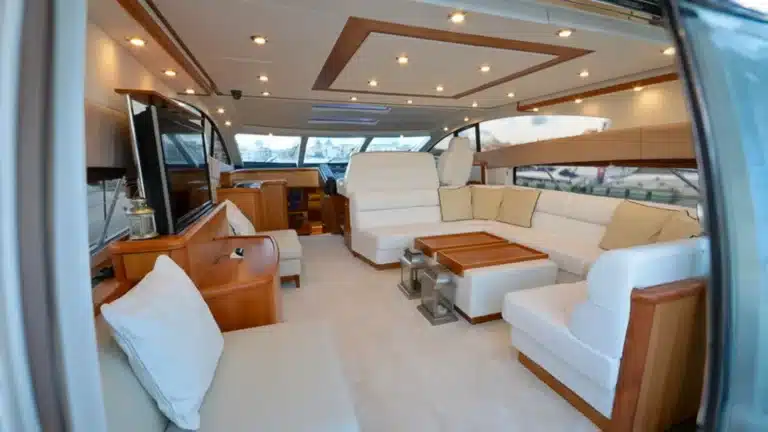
{"type": "Point", "coordinates": [346, 107]}
{"type": "Point", "coordinates": [647, 11]}
{"type": "Point", "coordinates": [361, 121]}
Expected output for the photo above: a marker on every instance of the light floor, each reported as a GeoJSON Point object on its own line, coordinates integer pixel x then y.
{"type": "Point", "coordinates": [406, 375]}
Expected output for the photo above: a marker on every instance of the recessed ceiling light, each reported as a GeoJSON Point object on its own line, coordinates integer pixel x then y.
{"type": "Point", "coordinates": [265, 93]}
{"type": "Point", "coordinates": [169, 73]}
{"type": "Point", "coordinates": [402, 59]}
{"type": "Point", "coordinates": [638, 88]}
{"type": "Point", "coordinates": [259, 40]}
{"type": "Point", "coordinates": [439, 88]}
{"type": "Point", "coordinates": [373, 83]}
{"type": "Point", "coordinates": [137, 42]}
{"type": "Point", "coordinates": [564, 33]}
{"type": "Point", "coordinates": [263, 78]}
{"type": "Point", "coordinates": [535, 110]}
{"type": "Point", "coordinates": [445, 129]}
{"type": "Point", "coordinates": [189, 91]}
{"type": "Point", "coordinates": [220, 110]}
{"type": "Point", "coordinates": [409, 101]}
{"type": "Point", "coordinates": [474, 104]}
{"type": "Point", "coordinates": [353, 98]}
{"type": "Point", "coordinates": [578, 101]}
{"type": "Point", "coordinates": [669, 51]}
{"type": "Point", "coordinates": [584, 73]}
{"type": "Point", "coordinates": [485, 68]}
{"type": "Point", "coordinates": [227, 123]}
{"type": "Point", "coordinates": [510, 94]}
{"type": "Point", "coordinates": [458, 17]}
{"type": "Point", "coordinates": [466, 119]}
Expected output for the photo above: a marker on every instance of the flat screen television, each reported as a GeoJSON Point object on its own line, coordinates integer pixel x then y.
{"type": "Point", "coordinates": [173, 165]}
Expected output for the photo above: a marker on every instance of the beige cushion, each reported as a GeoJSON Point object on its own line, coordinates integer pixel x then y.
{"type": "Point", "coordinates": [517, 206]}
{"type": "Point", "coordinates": [486, 202]}
{"type": "Point", "coordinates": [456, 204]}
{"type": "Point", "coordinates": [633, 224]}
{"type": "Point", "coordinates": [679, 227]}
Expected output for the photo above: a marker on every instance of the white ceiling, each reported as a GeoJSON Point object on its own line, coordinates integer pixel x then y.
{"type": "Point", "coordinates": [302, 33]}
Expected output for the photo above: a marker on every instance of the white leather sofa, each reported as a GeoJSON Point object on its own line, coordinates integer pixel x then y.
{"type": "Point", "coordinates": [576, 331]}
{"type": "Point", "coordinates": [454, 167]}
{"type": "Point", "coordinates": [283, 377]}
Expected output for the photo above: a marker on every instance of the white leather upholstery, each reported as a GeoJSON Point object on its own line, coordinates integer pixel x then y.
{"type": "Point", "coordinates": [290, 250]}
{"type": "Point", "coordinates": [455, 164]}
{"type": "Point", "coordinates": [376, 171]}
{"type": "Point", "coordinates": [481, 291]}
{"type": "Point", "coordinates": [283, 377]}
{"type": "Point", "coordinates": [576, 331]}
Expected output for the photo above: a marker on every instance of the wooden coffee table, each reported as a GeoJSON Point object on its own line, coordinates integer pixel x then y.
{"type": "Point", "coordinates": [485, 274]}
{"type": "Point", "coordinates": [430, 245]}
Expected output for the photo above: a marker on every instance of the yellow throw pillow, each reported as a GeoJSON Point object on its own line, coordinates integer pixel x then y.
{"type": "Point", "coordinates": [679, 227]}
{"type": "Point", "coordinates": [486, 202]}
{"type": "Point", "coordinates": [455, 204]}
{"type": "Point", "coordinates": [517, 206]}
{"type": "Point", "coordinates": [634, 224]}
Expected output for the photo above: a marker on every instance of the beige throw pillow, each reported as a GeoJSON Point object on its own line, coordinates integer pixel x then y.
{"type": "Point", "coordinates": [486, 202]}
{"type": "Point", "coordinates": [679, 227]}
{"type": "Point", "coordinates": [517, 206]}
{"type": "Point", "coordinates": [634, 224]}
{"type": "Point", "coordinates": [455, 204]}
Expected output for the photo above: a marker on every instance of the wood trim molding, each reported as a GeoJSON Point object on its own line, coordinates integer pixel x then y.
{"type": "Point", "coordinates": [180, 53]}
{"type": "Point", "coordinates": [599, 92]}
{"type": "Point", "coordinates": [358, 29]}
{"type": "Point", "coordinates": [478, 319]}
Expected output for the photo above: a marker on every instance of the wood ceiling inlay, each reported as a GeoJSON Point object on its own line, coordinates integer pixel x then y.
{"type": "Point", "coordinates": [357, 30]}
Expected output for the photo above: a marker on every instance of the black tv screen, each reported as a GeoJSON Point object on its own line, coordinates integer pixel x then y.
{"type": "Point", "coordinates": [174, 166]}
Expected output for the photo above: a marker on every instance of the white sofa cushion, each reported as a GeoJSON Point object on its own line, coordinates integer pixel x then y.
{"type": "Point", "coordinates": [170, 338]}
{"type": "Point", "coordinates": [400, 171]}
{"type": "Point", "coordinates": [517, 206]}
{"type": "Point", "coordinates": [239, 224]}
{"type": "Point", "coordinates": [542, 313]}
{"type": "Point", "coordinates": [633, 224]}
{"type": "Point", "coordinates": [287, 243]}
{"type": "Point", "coordinates": [454, 166]}
{"type": "Point", "coordinates": [486, 202]}
{"type": "Point", "coordinates": [456, 203]}
{"type": "Point", "coordinates": [283, 377]}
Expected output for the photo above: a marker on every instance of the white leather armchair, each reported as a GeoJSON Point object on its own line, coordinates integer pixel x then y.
{"type": "Point", "coordinates": [454, 166]}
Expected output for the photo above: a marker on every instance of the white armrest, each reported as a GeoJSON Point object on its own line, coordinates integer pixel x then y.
{"type": "Point", "coordinates": [601, 321]}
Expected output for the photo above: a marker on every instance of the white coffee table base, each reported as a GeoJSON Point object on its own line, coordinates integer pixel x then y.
{"type": "Point", "coordinates": [480, 292]}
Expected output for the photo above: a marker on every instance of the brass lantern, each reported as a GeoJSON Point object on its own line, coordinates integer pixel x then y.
{"type": "Point", "coordinates": [142, 220]}
{"type": "Point", "coordinates": [438, 293]}
{"type": "Point", "coordinates": [412, 263]}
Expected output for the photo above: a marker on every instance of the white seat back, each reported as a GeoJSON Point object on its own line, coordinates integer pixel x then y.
{"type": "Point", "coordinates": [377, 171]}
{"type": "Point", "coordinates": [455, 164]}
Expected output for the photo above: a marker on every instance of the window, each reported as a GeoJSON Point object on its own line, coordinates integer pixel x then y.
{"type": "Point", "coordinates": [662, 185]}
{"type": "Point", "coordinates": [219, 150]}
{"type": "Point", "coordinates": [441, 145]}
{"type": "Point", "coordinates": [184, 149]}
{"type": "Point", "coordinates": [331, 150]}
{"type": "Point", "coordinates": [100, 196]}
{"type": "Point", "coordinates": [519, 130]}
{"type": "Point", "coordinates": [268, 148]}
{"type": "Point", "coordinates": [397, 143]}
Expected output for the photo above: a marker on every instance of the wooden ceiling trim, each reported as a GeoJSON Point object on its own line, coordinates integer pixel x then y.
{"type": "Point", "coordinates": [600, 91]}
{"type": "Point", "coordinates": [184, 58]}
{"type": "Point", "coordinates": [356, 30]}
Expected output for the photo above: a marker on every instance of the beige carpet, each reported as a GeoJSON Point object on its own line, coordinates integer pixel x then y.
{"type": "Point", "coordinates": [406, 375]}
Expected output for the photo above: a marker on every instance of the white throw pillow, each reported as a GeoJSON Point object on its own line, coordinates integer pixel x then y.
{"type": "Point", "coordinates": [170, 338]}
{"type": "Point", "coordinates": [238, 222]}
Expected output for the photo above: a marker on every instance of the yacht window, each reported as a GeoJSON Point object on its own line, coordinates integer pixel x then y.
{"type": "Point", "coordinates": [519, 130]}
{"type": "Point", "coordinates": [100, 196]}
{"type": "Point", "coordinates": [676, 186]}
{"type": "Point", "coordinates": [331, 150]}
{"type": "Point", "coordinates": [412, 143]}
{"type": "Point", "coordinates": [470, 133]}
{"type": "Point", "coordinates": [268, 148]}
{"type": "Point", "coordinates": [219, 150]}
{"type": "Point", "coordinates": [183, 149]}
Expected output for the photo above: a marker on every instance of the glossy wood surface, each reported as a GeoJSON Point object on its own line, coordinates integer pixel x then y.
{"type": "Point", "coordinates": [459, 260]}
{"type": "Point", "coordinates": [433, 244]}
{"type": "Point", "coordinates": [274, 205]}
{"type": "Point", "coordinates": [295, 177]}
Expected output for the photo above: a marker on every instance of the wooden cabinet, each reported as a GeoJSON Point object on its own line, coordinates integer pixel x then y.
{"type": "Point", "coordinates": [265, 203]}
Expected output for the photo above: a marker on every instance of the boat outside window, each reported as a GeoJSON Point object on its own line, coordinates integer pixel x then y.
{"type": "Point", "coordinates": [331, 150]}
{"type": "Point", "coordinates": [411, 143]}
{"type": "Point", "coordinates": [100, 195]}
{"type": "Point", "coordinates": [524, 129]}
{"type": "Point", "coordinates": [268, 148]}
{"type": "Point", "coordinates": [676, 186]}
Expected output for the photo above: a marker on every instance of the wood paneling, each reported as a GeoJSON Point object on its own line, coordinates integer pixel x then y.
{"type": "Point", "coordinates": [460, 259]}
{"type": "Point", "coordinates": [673, 142]}
{"type": "Point", "coordinates": [478, 319]}
{"type": "Point", "coordinates": [296, 177]}
{"type": "Point", "coordinates": [274, 205]}
{"type": "Point", "coordinates": [629, 85]}
{"type": "Point", "coordinates": [357, 30]}
{"type": "Point", "coordinates": [248, 200]}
